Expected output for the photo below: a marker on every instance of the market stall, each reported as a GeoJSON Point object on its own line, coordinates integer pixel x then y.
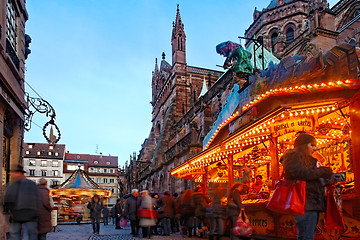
{"type": "Point", "coordinates": [73, 195]}
{"type": "Point", "coordinates": [319, 96]}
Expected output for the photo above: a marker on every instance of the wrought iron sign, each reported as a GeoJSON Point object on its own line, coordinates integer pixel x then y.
{"type": "Point", "coordinates": [42, 106]}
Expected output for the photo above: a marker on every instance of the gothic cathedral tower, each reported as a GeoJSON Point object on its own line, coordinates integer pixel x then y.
{"type": "Point", "coordinates": [178, 41]}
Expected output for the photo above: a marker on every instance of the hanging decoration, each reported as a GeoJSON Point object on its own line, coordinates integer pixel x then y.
{"type": "Point", "coordinates": [42, 106]}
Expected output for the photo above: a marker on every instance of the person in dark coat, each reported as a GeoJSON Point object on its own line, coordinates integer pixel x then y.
{"type": "Point", "coordinates": [188, 212]}
{"type": "Point", "coordinates": [44, 219]}
{"type": "Point", "coordinates": [299, 164]}
{"type": "Point", "coordinates": [118, 213]}
{"type": "Point", "coordinates": [166, 211]}
{"type": "Point", "coordinates": [217, 215]}
{"type": "Point", "coordinates": [95, 205]}
{"type": "Point", "coordinates": [200, 202]}
{"type": "Point", "coordinates": [234, 206]}
{"type": "Point", "coordinates": [132, 204]}
{"type": "Point", "coordinates": [21, 200]}
{"type": "Point", "coordinates": [106, 215]}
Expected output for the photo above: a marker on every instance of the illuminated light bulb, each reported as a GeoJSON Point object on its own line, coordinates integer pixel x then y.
{"type": "Point", "coordinates": [317, 110]}
{"type": "Point", "coordinates": [282, 115]}
{"type": "Point", "coordinates": [291, 114]}
{"type": "Point", "coordinates": [302, 113]}
{"type": "Point", "coordinates": [307, 112]}
{"type": "Point", "coordinates": [328, 109]}
{"type": "Point", "coordinates": [296, 113]}
{"type": "Point", "coordinates": [312, 111]}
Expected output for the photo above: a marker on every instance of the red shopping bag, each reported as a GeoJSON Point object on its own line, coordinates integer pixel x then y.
{"type": "Point", "coordinates": [147, 213]}
{"type": "Point", "coordinates": [333, 216]}
{"type": "Point", "coordinates": [242, 225]}
{"type": "Point", "coordinates": [288, 197]}
{"type": "Point", "coordinates": [123, 222]}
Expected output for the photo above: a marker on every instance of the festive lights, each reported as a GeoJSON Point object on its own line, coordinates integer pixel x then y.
{"type": "Point", "coordinates": [349, 83]}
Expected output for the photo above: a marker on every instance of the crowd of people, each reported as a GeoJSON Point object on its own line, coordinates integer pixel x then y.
{"type": "Point", "coordinates": [192, 213]}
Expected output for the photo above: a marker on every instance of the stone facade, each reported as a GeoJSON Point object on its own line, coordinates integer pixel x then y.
{"type": "Point", "coordinates": [305, 27]}
{"type": "Point", "coordinates": [12, 102]}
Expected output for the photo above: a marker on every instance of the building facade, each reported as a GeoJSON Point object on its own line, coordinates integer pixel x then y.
{"type": "Point", "coordinates": [184, 109]}
{"type": "Point", "coordinates": [103, 170]}
{"type": "Point", "coordinates": [42, 160]}
{"type": "Point", "coordinates": [13, 51]}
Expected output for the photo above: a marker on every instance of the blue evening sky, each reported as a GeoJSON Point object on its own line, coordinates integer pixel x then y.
{"type": "Point", "coordinates": [93, 60]}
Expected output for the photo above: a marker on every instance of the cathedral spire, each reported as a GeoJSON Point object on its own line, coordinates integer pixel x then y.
{"type": "Point", "coordinates": [178, 40]}
{"type": "Point", "coordinates": [156, 66]}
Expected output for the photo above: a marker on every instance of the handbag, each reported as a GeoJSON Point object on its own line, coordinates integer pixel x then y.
{"type": "Point", "coordinates": [242, 226]}
{"type": "Point", "coordinates": [333, 216]}
{"type": "Point", "coordinates": [289, 197]}
{"type": "Point", "coordinates": [147, 213]}
{"type": "Point", "coordinates": [123, 222]}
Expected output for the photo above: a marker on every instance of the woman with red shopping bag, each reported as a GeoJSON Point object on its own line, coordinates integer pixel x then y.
{"type": "Point", "coordinates": [299, 164]}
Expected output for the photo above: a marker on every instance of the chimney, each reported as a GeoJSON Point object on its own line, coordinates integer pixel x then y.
{"type": "Point", "coordinates": [101, 155]}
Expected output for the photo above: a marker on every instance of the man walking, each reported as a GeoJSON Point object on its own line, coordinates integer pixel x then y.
{"type": "Point", "coordinates": [21, 200]}
{"type": "Point", "coordinates": [95, 205]}
{"type": "Point", "coordinates": [131, 206]}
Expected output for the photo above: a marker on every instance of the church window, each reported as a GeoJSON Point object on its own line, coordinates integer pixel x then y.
{"type": "Point", "coordinates": [289, 35]}
{"type": "Point", "coordinates": [352, 42]}
{"type": "Point", "coordinates": [273, 39]}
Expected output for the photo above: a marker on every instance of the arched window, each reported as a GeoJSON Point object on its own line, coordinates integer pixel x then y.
{"type": "Point", "coordinates": [273, 39]}
{"type": "Point", "coordinates": [352, 42]}
{"type": "Point", "coordinates": [289, 35]}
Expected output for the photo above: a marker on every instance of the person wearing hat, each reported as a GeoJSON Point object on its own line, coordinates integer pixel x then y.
{"type": "Point", "coordinates": [44, 219]}
{"type": "Point", "coordinates": [21, 201]}
{"type": "Point", "coordinates": [299, 164]}
{"type": "Point", "coordinates": [95, 205]}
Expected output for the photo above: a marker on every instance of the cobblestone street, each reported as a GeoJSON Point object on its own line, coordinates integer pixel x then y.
{"type": "Point", "coordinates": [84, 232]}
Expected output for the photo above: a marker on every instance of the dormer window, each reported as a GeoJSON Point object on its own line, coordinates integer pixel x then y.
{"type": "Point", "coordinates": [27, 152]}
{"type": "Point", "coordinates": [38, 153]}
{"type": "Point", "coordinates": [96, 162]}
{"type": "Point", "coordinates": [107, 163]}
{"type": "Point", "coordinates": [30, 146]}
{"type": "Point", "coordinates": [51, 147]}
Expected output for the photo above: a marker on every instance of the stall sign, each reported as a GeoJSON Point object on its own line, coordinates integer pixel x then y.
{"type": "Point", "coordinates": [290, 125]}
{"type": "Point", "coordinates": [261, 222]}
{"type": "Point", "coordinates": [190, 171]}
